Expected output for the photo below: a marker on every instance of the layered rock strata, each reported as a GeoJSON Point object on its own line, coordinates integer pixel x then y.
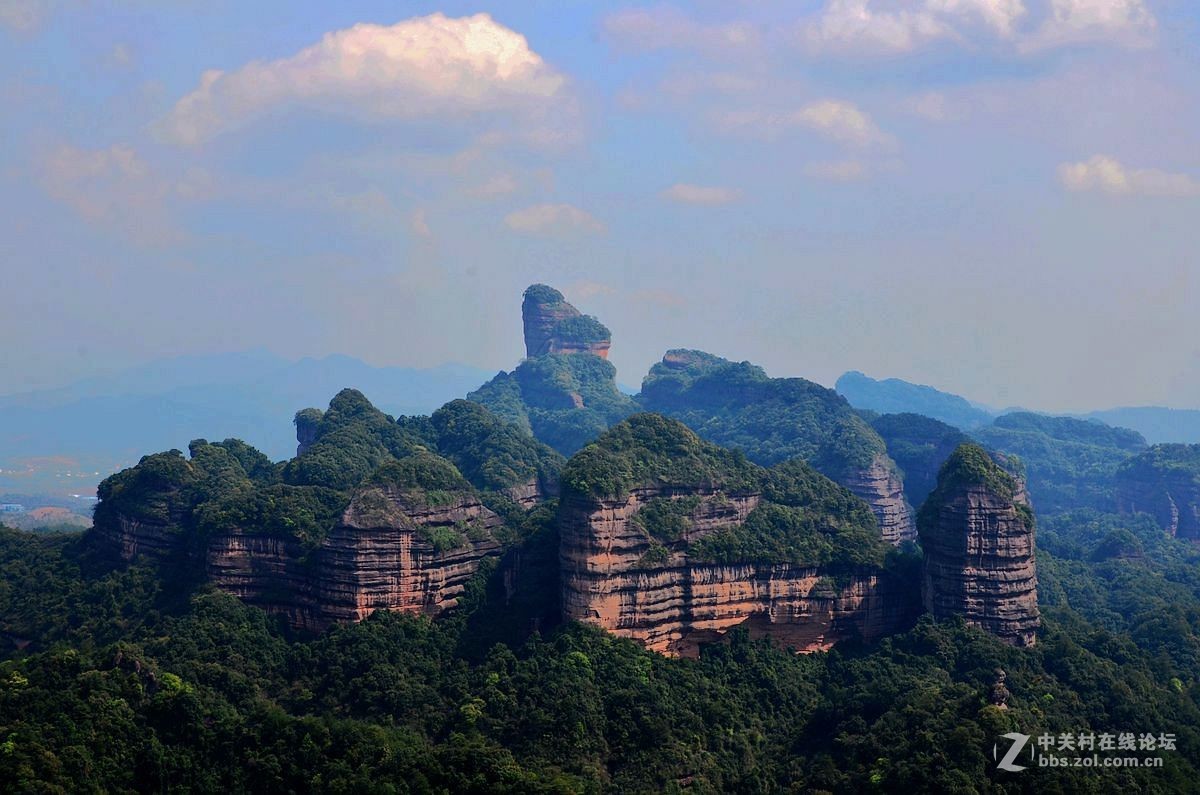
{"type": "Point", "coordinates": [554, 326]}
{"type": "Point", "coordinates": [390, 551]}
{"type": "Point", "coordinates": [880, 486]}
{"type": "Point", "coordinates": [618, 577]}
{"type": "Point", "coordinates": [1164, 482]}
{"type": "Point", "coordinates": [977, 533]}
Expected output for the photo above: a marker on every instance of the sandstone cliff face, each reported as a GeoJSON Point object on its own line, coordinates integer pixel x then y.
{"type": "Point", "coordinates": [130, 537]}
{"type": "Point", "coordinates": [308, 425]}
{"type": "Point", "coordinates": [880, 486]}
{"type": "Point", "coordinates": [1165, 483]}
{"type": "Point", "coordinates": [532, 492]}
{"type": "Point", "coordinates": [978, 539]}
{"type": "Point", "coordinates": [379, 557]}
{"type": "Point", "coordinates": [614, 575]}
{"type": "Point", "coordinates": [554, 326]}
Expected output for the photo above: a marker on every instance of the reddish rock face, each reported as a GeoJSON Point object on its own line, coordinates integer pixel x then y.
{"type": "Point", "coordinates": [377, 558]}
{"type": "Point", "coordinates": [545, 314]}
{"type": "Point", "coordinates": [978, 539]}
{"type": "Point", "coordinates": [880, 486]}
{"type": "Point", "coordinates": [612, 578]}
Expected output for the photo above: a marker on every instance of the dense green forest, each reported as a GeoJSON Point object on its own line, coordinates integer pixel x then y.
{"type": "Point", "coordinates": [139, 676]}
{"type": "Point", "coordinates": [1071, 463]}
{"type": "Point", "coordinates": [803, 518]}
{"type": "Point", "coordinates": [919, 445]}
{"type": "Point", "coordinates": [564, 400]}
{"type": "Point", "coordinates": [737, 405]}
{"type": "Point", "coordinates": [119, 678]}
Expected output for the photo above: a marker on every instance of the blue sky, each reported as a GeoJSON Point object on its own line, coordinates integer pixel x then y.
{"type": "Point", "coordinates": [998, 197]}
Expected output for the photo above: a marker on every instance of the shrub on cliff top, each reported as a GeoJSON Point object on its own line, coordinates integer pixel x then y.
{"type": "Point", "coordinates": [967, 467]}
{"type": "Point", "coordinates": [582, 328]}
{"type": "Point", "coordinates": [491, 453]}
{"type": "Point", "coordinates": [543, 294]}
{"type": "Point", "coordinates": [422, 470]}
{"type": "Point", "coordinates": [652, 450]}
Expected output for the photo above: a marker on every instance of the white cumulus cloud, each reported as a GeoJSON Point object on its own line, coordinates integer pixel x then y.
{"type": "Point", "coordinates": [1108, 175]}
{"type": "Point", "coordinates": [700, 194]}
{"type": "Point", "coordinates": [1126, 22]}
{"type": "Point", "coordinates": [872, 27]}
{"type": "Point", "coordinates": [431, 66]}
{"type": "Point", "coordinates": [553, 220]}
{"type": "Point", "coordinates": [835, 119]}
{"type": "Point", "coordinates": [1001, 16]}
{"type": "Point", "coordinates": [854, 26]}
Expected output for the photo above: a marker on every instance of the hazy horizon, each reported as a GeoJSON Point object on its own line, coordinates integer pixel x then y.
{"type": "Point", "coordinates": [996, 198]}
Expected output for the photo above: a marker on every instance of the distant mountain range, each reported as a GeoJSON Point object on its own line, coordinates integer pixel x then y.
{"type": "Point", "coordinates": [100, 424]}
{"type": "Point", "coordinates": [895, 396]}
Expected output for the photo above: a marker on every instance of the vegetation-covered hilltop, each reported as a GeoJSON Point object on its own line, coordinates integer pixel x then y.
{"type": "Point", "coordinates": [736, 404]}
{"type": "Point", "coordinates": [1071, 463]}
{"type": "Point", "coordinates": [563, 400]}
{"type": "Point", "coordinates": [128, 683]}
{"type": "Point", "coordinates": [894, 396]}
{"type": "Point", "coordinates": [919, 445]}
{"type": "Point", "coordinates": [1164, 482]}
{"type": "Point", "coordinates": [803, 518]}
{"type": "Point", "coordinates": [231, 485]}
{"type": "Point", "coordinates": [970, 466]}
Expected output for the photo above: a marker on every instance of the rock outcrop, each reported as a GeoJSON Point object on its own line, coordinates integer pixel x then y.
{"type": "Point", "coordinates": [564, 393]}
{"type": "Point", "coordinates": [554, 326]}
{"type": "Point", "coordinates": [977, 532]}
{"type": "Point", "coordinates": [634, 560]}
{"type": "Point", "coordinates": [130, 537]}
{"type": "Point", "coordinates": [308, 426]}
{"type": "Point", "coordinates": [1164, 482]}
{"type": "Point", "coordinates": [880, 486]}
{"type": "Point", "coordinates": [737, 404]}
{"type": "Point", "coordinates": [392, 550]}
{"type": "Point", "coordinates": [613, 578]}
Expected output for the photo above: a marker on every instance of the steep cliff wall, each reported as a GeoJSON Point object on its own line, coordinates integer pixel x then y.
{"type": "Point", "coordinates": [977, 533]}
{"type": "Point", "coordinates": [880, 486]}
{"type": "Point", "coordinates": [617, 576]}
{"type": "Point", "coordinates": [554, 326]}
{"type": "Point", "coordinates": [391, 551]}
{"type": "Point", "coordinates": [130, 537]}
{"type": "Point", "coordinates": [1164, 482]}
{"type": "Point", "coordinates": [736, 404]}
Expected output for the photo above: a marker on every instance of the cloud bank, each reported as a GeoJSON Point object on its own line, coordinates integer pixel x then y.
{"type": "Point", "coordinates": [553, 220]}
{"type": "Point", "coordinates": [431, 66]}
{"type": "Point", "coordinates": [1105, 174]}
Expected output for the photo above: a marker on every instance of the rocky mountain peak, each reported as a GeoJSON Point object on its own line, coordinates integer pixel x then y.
{"type": "Point", "coordinates": [977, 531]}
{"type": "Point", "coordinates": [554, 326]}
